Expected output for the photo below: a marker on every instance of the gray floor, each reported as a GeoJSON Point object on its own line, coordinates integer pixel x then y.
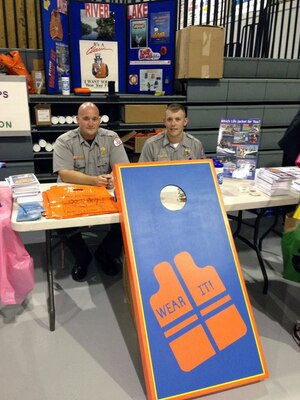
{"type": "Point", "coordinates": [93, 353]}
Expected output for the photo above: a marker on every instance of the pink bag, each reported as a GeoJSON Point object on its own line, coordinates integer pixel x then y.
{"type": "Point", "coordinates": [16, 265]}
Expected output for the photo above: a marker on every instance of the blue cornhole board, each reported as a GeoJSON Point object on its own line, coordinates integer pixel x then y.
{"type": "Point", "coordinates": [196, 330]}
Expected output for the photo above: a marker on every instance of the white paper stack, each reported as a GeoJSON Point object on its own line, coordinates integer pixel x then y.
{"type": "Point", "coordinates": [276, 181]}
{"type": "Point", "coordinates": [296, 185]}
{"type": "Point", "coordinates": [25, 188]}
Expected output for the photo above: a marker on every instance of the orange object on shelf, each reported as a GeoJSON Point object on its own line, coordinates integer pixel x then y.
{"type": "Point", "coordinates": [82, 91]}
{"type": "Point", "coordinates": [15, 66]}
{"type": "Point", "coordinates": [72, 201]}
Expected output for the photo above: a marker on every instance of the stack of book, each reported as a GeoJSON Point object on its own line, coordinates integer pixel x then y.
{"type": "Point", "coordinates": [296, 185]}
{"type": "Point", "coordinates": [25, 188]}
{"type": "Point", "coordinates": [276, 181]}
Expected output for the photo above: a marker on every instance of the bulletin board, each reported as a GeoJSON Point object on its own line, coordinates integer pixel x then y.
{"type": "Point", "coordinates": [97, 43]}
{"type": "Point", "coordinates": [196, 329]}
{"type": "Point", "coordinates": [55, 32]}
{"type": "Point", "coordinates": [151, 28]}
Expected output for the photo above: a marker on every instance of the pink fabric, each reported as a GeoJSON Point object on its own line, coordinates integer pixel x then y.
{"type": "Point", "coordinates": [16, 265]}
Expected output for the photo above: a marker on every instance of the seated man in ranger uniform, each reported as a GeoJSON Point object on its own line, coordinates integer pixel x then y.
{"type": "Point", "coordinates": [173, 143]}
{"type": "Point", "coordinates": [86, 156]}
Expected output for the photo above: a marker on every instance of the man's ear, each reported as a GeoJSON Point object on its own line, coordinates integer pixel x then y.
{"type": "Point", "coordinates": [186, 121]}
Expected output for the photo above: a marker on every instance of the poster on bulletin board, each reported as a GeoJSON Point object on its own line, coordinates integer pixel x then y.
{"type": "Point", "coordinates": [237, 147]}
{"type": "Point", "coordinates": [151, 31]}
{"type": "Point", "coordinates": [55, 31]}
{"type": "Point", "coordinates": [97, 43]}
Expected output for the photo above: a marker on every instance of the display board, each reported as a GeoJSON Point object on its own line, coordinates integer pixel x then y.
{"type": "Point", "coordinates": [237, 148]}
{"type": "Point", "coordinates": [55, 29]}
{"type": "Point", "coordinates": [97, 42]}
{"type": "Point", "coordinates": [151, 46]}
{"type": "Point", "coordinates": [196, 329]}
{"type": "Point", "coordinates": [14, 96]}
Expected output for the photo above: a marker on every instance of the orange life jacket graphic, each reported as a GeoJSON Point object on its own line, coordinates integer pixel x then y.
{"type": "Point", "coordinates": [56, 31]}
{"type": "Point", "coordinates": [214, 325]}
{"type": "Point", "coordinates": [100, 70]}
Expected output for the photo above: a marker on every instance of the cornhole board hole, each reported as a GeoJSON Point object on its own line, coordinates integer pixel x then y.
{"type": "Point", "coordinates": [195, 325]}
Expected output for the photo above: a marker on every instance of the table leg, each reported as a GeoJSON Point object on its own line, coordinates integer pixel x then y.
{"type": "Point", "coordinates": [278, 211]}
{"type": "Point", "coordinates": [253, 245]}
{"type": "Point", "coordinates": [51, 303]}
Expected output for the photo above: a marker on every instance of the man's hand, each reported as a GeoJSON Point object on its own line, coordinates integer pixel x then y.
{"type": "Point", "coordinates": [106, 180]}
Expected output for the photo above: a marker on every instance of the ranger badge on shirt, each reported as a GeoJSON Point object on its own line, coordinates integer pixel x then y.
{"type": "Point", "coordinates": [102, 151]}
{"type": "Point", "coordinates": [187, 152]}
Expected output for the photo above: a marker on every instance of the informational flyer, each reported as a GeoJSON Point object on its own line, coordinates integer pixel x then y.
{"type": "Point", "coordinates": [151, 79]}
{"type": "Point", "coordinates": [237, 147]}
{"type": "Point", "coordinates": [138, 33]}
{"type": "Point", "coordinates": [160, 27]}
{"type": "Point", "coordinates": [98, 64]}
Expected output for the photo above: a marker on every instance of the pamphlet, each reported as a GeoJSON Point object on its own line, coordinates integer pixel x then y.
{"type": "Point", "coordinates": [237, 147]}
{"type": "Point", "coordinates": [21, 180]}
{"type": "Point", "coordinates": [30, 211]}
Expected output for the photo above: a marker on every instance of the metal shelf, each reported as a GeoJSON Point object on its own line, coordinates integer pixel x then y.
{"type": "Point", "coordinates": [106, 99]}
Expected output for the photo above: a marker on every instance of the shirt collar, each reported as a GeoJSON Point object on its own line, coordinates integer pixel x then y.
{"type": "Point", "coordinates": [184, 140]}
{"type": "Point", "coordinates": [82, 140]}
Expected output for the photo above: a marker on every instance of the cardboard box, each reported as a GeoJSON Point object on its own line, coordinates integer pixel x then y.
{"type": "Point", "coordinates": [144, 113]}
{"type": "Point", "coordinates": [42, 114]}
{"type": "Point", "coordinates": [200, 52]}
{"type": "Point", "coordinates": [140, 139]}
{"type": "Point", "coordinates": [135, 141]}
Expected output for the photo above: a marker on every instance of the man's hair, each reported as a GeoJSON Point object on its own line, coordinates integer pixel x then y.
{"type": "Point", "coordinates": [176, 107]}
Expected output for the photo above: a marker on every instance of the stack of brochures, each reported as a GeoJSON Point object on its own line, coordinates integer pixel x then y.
{"type": "Point", "coordinates": [25, 188]}
{"type": "Point", "coordinates": [276, 181]}
{"type": "Point", "coordinates": [296, 185]}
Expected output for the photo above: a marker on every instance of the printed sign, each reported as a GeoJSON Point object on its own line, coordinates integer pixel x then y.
{"type": "Point", "coordinates": [237, 147]}
{"type": "Point", "coordinates": [195, 325]}
{"type": "Point", "coordinates": [99, 64]}
{"type": "Point", "coordinates": [14, 96]}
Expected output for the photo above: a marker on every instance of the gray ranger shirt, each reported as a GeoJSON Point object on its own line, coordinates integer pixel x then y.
{"type": "Point", "coordinates": [158, 148]}
{"type": "Point", "coordinates": [73, 152]}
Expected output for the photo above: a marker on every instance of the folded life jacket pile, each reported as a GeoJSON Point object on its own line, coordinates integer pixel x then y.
{"type": "Point", "coordinates": [72, 201]}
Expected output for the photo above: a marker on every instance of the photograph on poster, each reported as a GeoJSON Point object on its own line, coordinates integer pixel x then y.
{"type": "Point", "coordinates": [150, 80]}
{"type": "Point", "coordinates": [62, 61]}
{"type": "Point", "coordinates": [237, 147]}
{"type": "Point", "coordinates": [160, 27]}
{"type": "Point", "coordinates": [94, 28]}
{"type": "Point", "coordinates": [138, 33]}
{"type": "Point", "coordinates": [98, 64]}
{"type": "Point", "coordinates": [62, 6]}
